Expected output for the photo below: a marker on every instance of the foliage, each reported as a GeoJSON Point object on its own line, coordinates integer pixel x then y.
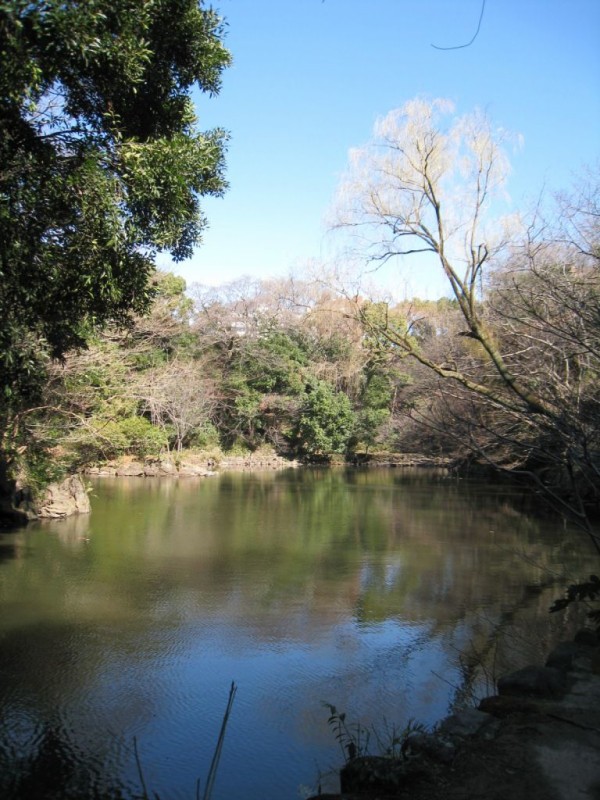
{"type": "Point", "coordinates": [326, 420]}
{"type": "Point", "coordinates": [102, 167]}
{"type": "Point", "coordinates": [355, 739]}
{"type": "Point", "coordinates": [275, 364]}
{"type": "Point", "coordinates": [369, 421]}
{"type": "Point", "coordinates": [365, 773]}
{"type": "Point", "coordinates": [102, 439]}
{"type": "Point", "coordinates": [205, 437]}
{"type": "Point", "coordinates": [40, 469]}
{"type": "Point", "coordinates": [230, 383]}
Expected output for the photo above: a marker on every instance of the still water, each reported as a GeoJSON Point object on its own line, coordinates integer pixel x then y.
{"type": "Point", "coordinates": [377, 591]}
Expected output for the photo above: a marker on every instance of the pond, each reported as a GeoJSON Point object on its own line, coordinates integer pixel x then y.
{"type": "Point", "coordinates": [391, 594]}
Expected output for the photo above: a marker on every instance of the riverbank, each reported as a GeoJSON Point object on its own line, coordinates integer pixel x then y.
{"type": "Point", "coordinates": [537, 739]}
{"type": "Point", "coordinates": [190, 465]}
{"type": "Point", "coordinates": [69, 496]}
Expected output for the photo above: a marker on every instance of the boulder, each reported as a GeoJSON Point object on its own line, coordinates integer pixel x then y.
{"type": "Point", "coordinates": [133, 469]}
{"type": "Point", "coordinates": [465, 723]}
{"type": "Point", "coordinates": [151, 470]}
{"type": "Point", "coordinates": [534, 680]}
{"type": "Point", "coordinates": [167, 468]}
{"type": "Point", "coordinates": [507, 705]}
{"type": "Point", "coordinates": [64, 499]}
{"type": "Point", "coordinates": [568, 656]}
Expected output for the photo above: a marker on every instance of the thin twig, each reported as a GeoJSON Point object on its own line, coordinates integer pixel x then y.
{"type": "Point", "coordinates": [139, 767]}
{"type": "Point", "coordinates": [217, 754]}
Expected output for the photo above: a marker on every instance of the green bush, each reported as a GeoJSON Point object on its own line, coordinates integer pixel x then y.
{"type": "Point", "coordinates": [40, 468]}
{"type": "Point", "coordinates": [205, 437]}
{"type": "Point", "coordinates": [326, 422]}
{"type": "Point", "coordinates": [142, 438]}
{"type": "Point", "coordinates": [103, 439]}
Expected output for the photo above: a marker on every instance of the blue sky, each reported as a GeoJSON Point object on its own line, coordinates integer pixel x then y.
{"type": "Point", "coordinates": [310, 78]}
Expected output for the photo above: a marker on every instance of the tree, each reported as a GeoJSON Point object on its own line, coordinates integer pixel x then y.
{"type": "Point", "coordinates": [326, 420]}
{"type": "Point", "coordinates": [102, 167]}
{"type": "Point", "coordinates": [426, 184]}
{"type": "Point", "coordinates": [98, 403]}
{"type": "Point", "coordinates": [423, 185]}
{"type": "Point", "coordinates": [178, 396]}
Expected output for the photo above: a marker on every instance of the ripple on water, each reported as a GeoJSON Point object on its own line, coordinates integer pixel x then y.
{"type": "Point", "coordinates": [21, 730]}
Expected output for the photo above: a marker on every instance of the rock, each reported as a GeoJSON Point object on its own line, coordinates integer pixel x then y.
{"type": "Point", "coordinates": [502, 707]}
{"type": "Point", "coordinates": [588, 637]}
{"type": "Point", "coordinates": [428, 744]}
{"type": "Point", "coordinates": [375, 775]}
{"type": "Point", "coordinates": [64, 499]}
{"type": "Point", "coordinates": [132, 469]}
{"type": "Point", "coordinates": [567, 656]}
{"type": "Point", "coordinates": [539, 739]}
{"type": "Point", "coordinates": [11, 518]}
{"type": "Point", "coordinates": [534, 680]}
{"type": "Point", "coordinates": [191, 471]}
{"type": "Point", "coordinates": [167, 468]}
{"type": "Point", "coordinates": [468, 722]}
{"type": "Point", "coordinates": [151, 470]}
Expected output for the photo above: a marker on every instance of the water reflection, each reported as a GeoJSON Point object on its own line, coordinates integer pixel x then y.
{"type": "Point", "coordinates": [375, 590]}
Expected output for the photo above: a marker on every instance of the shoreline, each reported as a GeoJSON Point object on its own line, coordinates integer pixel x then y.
{"type": "Point", "coordinates": [207, 466]}
{"type": "Point", "coordinates": [188, 467]}
{"type": "Point", "coordinates": [538, 737]}
{"type": "Point", "coordinates": [69, 496]}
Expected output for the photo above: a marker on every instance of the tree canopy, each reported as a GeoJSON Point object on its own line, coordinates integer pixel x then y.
{"type": "Point", "coordinates": [102, 166]}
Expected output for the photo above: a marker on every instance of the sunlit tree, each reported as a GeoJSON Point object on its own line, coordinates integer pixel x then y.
{"type": "Point", "coordinates": [103, 165]}
{"type": "Point", "coordinates": [429, 184]}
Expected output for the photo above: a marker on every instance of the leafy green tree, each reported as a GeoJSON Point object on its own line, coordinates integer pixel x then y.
{"type": "Point", "coordinates": [376, 401]}
{"type": "Point", "coordinates": [277, 362]}
{"type": "Point", "coordinates": [326, 421]}
{"type": "Point", "coordinates": [103, 166]}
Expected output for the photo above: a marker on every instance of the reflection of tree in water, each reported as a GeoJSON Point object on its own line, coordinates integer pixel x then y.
{"type": "Point", "coordinates": [55, 770]}
{"type": "Point", "coordinates": [46, 669]}
{"type": "Point", "coordinates": [7, 551]}
{"type": "Point", "coordinates": [508, 638]}
{"type": "Point", "coordinates": [49, 769]}
{"type": "Point", "coordinates": [278, 558]}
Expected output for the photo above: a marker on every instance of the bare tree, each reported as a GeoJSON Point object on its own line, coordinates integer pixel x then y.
{"type": "Point", "coordinates": [179, 396]}
{"type": "Point", "coordinates": [427, 185]}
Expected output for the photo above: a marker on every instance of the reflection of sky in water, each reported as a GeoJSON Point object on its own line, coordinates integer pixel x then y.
{"type": "Point", "coordinates": [303, 588]}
